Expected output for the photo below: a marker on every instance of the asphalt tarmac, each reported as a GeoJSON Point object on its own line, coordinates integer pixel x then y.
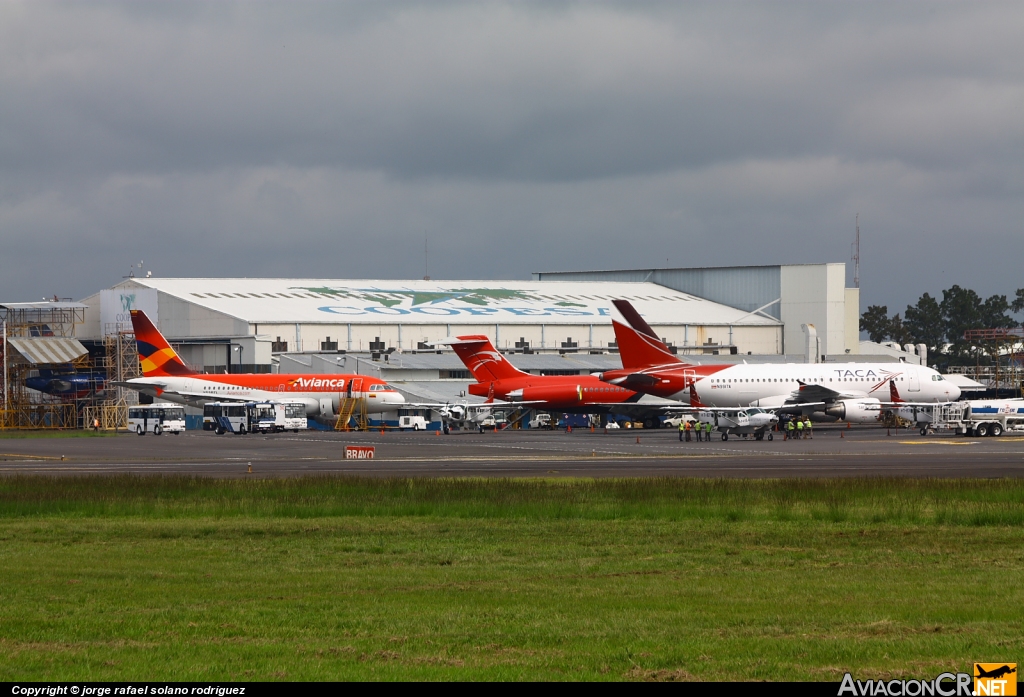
{"type": "Point", "coordinates": [865, 451]}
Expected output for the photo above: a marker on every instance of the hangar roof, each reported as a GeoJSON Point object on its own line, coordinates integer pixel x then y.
{"type": "Point", "coordinates": [327, 301]}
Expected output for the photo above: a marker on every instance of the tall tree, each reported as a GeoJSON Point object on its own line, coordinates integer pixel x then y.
{"type": "Point", "coordinates": [924, 323]}
{"type": "Point", "coordinates": [875, 321]}
{"type": "Point", "coordinates": [994, 313]}
{"type": "Point", "coordinates": [961, 310]}
{"type": "Point", "coordinates": [1018, 302]}
{"type": "Point", "coordinates": [898, 331]}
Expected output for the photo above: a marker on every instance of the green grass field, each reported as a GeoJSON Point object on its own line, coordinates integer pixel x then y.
{"type": "Point", "coordinates": [120, 578]}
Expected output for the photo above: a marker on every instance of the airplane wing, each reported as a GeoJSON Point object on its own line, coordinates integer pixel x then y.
{"type": "Point", "coordinates": [637, 381]}
{"type": "Point", "coordinates": [189, 396]}
{"type": "Point", "coordinates": [438, 406]}
{"type": "Point", "coordinates": [812, 392]}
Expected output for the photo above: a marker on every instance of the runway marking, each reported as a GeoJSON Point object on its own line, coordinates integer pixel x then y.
{"type": "Point", "coordinates": [31, 457]}
{"type": "Point", "coordinates": [938, 442]}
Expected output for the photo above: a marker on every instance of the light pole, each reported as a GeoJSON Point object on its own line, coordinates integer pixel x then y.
{"type": "Point", "coordinates": [240, 349]}
{"type": "Point", "coordinates": [4, 419]}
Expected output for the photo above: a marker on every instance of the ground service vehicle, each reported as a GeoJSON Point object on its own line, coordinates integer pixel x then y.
{"type": "Point", "coordinates": [156, 419]}
{"type": "Point", "coordinates": [541, 421]}
{"type": "Point", "coordinates": [249, 417]}
{"type": "Point", "coordinates": [275, 417]}
{"type": "Point", "coordinates": [975, 417]}
{"type": "Point", "coordinates": [416, 423]}
{"type": "Point", "coordinates": [226, 417]}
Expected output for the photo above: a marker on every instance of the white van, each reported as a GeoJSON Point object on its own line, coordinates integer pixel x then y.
{"type": "Point", "coordinates": [416, 423]}
{"type": "Point", "coordinates": [541, 421]}
{"type": "Point", "coordinates": [156, 418]}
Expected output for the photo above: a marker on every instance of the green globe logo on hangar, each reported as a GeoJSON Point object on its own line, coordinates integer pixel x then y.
{"type": "Point", "coordinates": [473, 301]}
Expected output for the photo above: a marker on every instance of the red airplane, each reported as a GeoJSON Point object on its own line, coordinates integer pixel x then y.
{"type": "Point", "coordinates": [496, 378]}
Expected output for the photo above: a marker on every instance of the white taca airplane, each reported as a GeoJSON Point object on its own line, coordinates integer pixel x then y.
{"type": "Point", "coordinates": [853, 392]}
{"type": "Point", "coordinates": [166, 376]}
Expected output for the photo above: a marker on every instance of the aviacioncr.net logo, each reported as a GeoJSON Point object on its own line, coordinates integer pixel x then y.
{"type": "Point", "coordinates": [945, 685]}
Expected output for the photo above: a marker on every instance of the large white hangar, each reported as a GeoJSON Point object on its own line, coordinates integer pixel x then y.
{"type": "Point", "coordinates": [237, 324]}
{"type": "Point", "coordinates": [795, 294]}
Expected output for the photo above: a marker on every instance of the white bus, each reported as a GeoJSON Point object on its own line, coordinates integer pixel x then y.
{"type": "Point", "coordinates": [226, 417]}
{"type": "Point", "coordinates": [156, 418]}
{"type": "Point", "coordinates": [249, 417]}
{"type": "Point", "coordinates": [274, 417]}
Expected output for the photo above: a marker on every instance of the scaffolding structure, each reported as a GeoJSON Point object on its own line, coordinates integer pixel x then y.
{"type": "Point", "coordinates": [21, 407]}
{"type": "Point", "coordinates": [120, 361]}
{"type": "Point", "coordinates": [1005, 349]}
{"type": "Point", "coordinates": [98, 402]}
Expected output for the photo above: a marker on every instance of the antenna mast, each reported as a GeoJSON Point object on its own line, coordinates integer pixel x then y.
{"type": "Point", "coordinates": [856, 254]}
{"type": "Point", "coordinates": [426, 274]}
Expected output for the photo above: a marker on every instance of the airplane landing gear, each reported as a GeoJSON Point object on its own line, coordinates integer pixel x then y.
{"type": "Point", "coordinates": [725, 436]}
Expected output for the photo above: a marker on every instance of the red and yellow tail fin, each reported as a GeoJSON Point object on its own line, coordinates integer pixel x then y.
{"type": "Point", "coordinates": [483, 360]}
{"type": "Point", "coordinates": [157, 357]}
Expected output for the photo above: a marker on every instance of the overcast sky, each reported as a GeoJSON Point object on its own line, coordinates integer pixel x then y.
{"type": "Point", "coordinates": [329, 140]}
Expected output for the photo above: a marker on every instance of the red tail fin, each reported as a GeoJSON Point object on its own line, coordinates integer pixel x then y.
{"type": "Point", "coordinates": [639, 350]}
{"type": "Point", "coordinates": [694, 397]}
{"type": "Point", "coordinates": [894, 395]}
{"type": "Point", "coordinates": [484, 361]}
{"type": "Point", "coordinates": [633, 318]}
{"type": "Point", "coordinates": [155, 354]}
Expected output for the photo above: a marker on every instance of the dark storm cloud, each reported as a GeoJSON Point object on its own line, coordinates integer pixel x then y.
{"type": "Point", "coordinates": [321, 139]}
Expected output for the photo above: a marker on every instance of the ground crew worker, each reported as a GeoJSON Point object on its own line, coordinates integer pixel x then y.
{"type": "Point", "coordinates": [687, 431]}
{"type": "Point", "coordinates": [808, 433]}
{"type": "Point", "coordinates": [789, 429]}
{"type": "Point", "coordinates": [699, 427]}
{"type": "Point", "coordinates": [799, 429]}
{"type": "Point", "coordinates": [682, 427]}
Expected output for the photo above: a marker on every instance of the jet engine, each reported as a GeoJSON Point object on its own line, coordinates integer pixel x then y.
{"type": "Point", "coordinates": [858, 411]}
{"type": "Point", "coordinates": [555, 396]}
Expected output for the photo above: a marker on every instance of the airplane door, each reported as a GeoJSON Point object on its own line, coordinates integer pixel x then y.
{"type": "Point", "coordinates": [689, 376]}
{"type": "Point", "coordinates": [914, 379]}
{"type": "Point", "coordinates": [355, 386]}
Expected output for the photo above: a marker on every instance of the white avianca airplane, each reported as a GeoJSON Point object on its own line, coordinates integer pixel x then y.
{"type": "Point", "coordinates": [823, 391]}
{"type": "Point", "coordinates": [166, 376]}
